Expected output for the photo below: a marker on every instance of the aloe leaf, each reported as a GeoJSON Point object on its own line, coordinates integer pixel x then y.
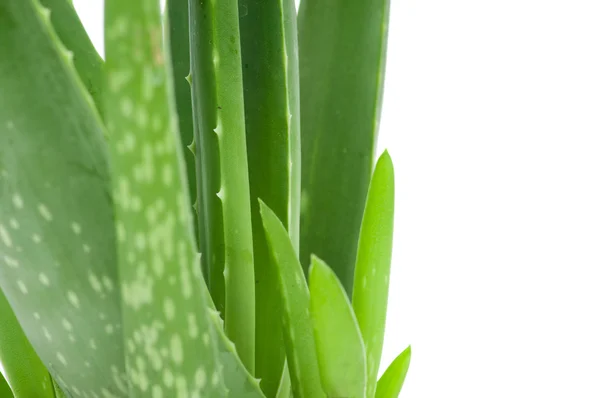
{"type": "Point", "coordinates": [72, 34]}
{"type": "Point", "coordinates": [240, 383]}
{"type": "Point", "coordinates": [5, 390]}
{"type": "Point", "coordinates": [179, 48]}
{"type": "Point", "coordinates": [285, 384]}
{"type": "Point", "coordinates": [298, 333]}
{"type": "Point", "coordinates": [340, 348]}
{"type": "Point", "coordinates": [373, 263]}
{"type": "Point", "coordinates": [390, 383]}
{"type": "Point", "coordinates": [57, 251]}
{"type": "Point", "coordinates": [272, 109]}
{"type": "Point", "coordinates": [24, 370]}
{"type": "Point", "coordinates": [219, 118]}
{"type": "Point", "coordinates": [166, 323]}
{"type": "Point", "coordinates": [342, 56]}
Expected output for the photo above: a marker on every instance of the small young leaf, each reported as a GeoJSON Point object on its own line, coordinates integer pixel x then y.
{"type": "Point", "coordinates": [284, 390]}
{"type": "Point", "coordinates": [24, 370]}
{"type": "Point", "coordinates": [390, 384]}
{"type": "Point", "coordinates": [340, 349]}
{"type": "Point", "coordinates": [297, 330]}
{"type": "Point", "coordinates": [371, 280]}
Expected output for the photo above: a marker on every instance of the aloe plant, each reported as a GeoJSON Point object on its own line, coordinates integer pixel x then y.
{"type": "Point", "coordinates": [164, 212]}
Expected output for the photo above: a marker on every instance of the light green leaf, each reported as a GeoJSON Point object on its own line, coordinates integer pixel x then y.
{"type": "Point", "coordinates": [24, 370]}
{"type": "Point", "coordinates": [285, 384]}
{"type": "Point", "coordinates": [390, 384]}
{"type": "Point", "coordinates": [373, 263]}
{"type": "Point", "coordinates": [297, 330]}
{"type": "Point", "coordinates": [340, 349]}
{"type": "Point", "coordinates": [218, 99]}
{"type": "Point", "coordinates": [57, 251]}
{"type": "Point", "coordinates": [342, 57]}
{"type": "Point", "coordinates": [272, 110]}
{"type": "Point", "coordinates": [166, 322]}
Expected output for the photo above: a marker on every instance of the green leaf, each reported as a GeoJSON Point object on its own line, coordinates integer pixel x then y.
{"type": "Point", "coordinates": [72, 34]}
{"type": "Point", "coordinates": [218, 99]}
{"type": "Point", "coordinates": [24, 370]}
{"type": "Point", "coordinates": [340, 349]}
{"type": "Point", "coordinates": [373, 263]}
{"type": "Point", "coordinates": [298, 333]}
{"type": "Point", "coordinates": [272, 110]}
{"type": "Point", "coordinates": [166, 322]}
{"type": "Point", "coordinates": [57, 251]}
{"type": "Point", "coordinates": [285, 384]}
{"type": "Point", "coordinates": [5, 390]}
{"type": "Point", "coordinates": [179, 48]}
{"type": "Point", "coordinates": [390, 384]}
{"type": "Point", "coordinates": [342, 57]}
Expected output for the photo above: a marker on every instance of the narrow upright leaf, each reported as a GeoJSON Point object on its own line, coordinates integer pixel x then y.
{"type": "Point", "coordinates": [218, 100]}
{"type": "Point", "coordinates": [72, 34]}
{"type": "Point", "coordinates": [373, 262]}
{"type": "Point", "coordinates": [390, 384]}
{"type": "Point", "coordinates": [24, 370]}
{"type": "Point", "coordinates": [340, 349]}
{"type": "Point", "coordinates": [342, 58]}
{"type": "Point", "coordinates": [57, 251]}
{"type": "Point", "coordinates": [166, 322]}
{"type": "Point", "coordinates": [272, 109]}
{"type": "Point", "coordinates": [179, 48]}
{"type": "Point", "coordinates": [297, 329]}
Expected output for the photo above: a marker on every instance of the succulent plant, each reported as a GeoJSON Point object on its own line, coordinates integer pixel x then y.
{"type": "Point", "coordinates": [167, 216]}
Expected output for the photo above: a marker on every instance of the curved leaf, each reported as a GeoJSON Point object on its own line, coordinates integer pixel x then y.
{"type": "Point", "coordinates": [297, 330]}
{"type": "Point", "coordinates": [24, 370]}
{"type": "Point", "coordinates": [373, 261]}
{"type": "Point", "coordinates": [340, 349]}
{"type": "Point", "coordinates": [390, 384]}
{"type": "Point", "coordinates": [57, 250]}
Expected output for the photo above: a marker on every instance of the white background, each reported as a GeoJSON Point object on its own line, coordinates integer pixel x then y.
{"type": "Point", "coordinates": [492, 117]}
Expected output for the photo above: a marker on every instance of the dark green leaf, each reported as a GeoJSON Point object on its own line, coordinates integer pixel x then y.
{"type": "Point", "coordinates": [342, 57]}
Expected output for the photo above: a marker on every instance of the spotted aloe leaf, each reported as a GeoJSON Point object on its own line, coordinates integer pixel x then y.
{"type": "Point", "coordinates": [340, 348]}
{"type": "Point", "coordinates": [390, 384]}
{"type": "Point", "coordinates": [342, 57]}
{"type": "Point", "coordinates": [57, 246]}
{"type": "Point", "coordinates": [72, 34]}
{"type": "Point", "coordinates": [224, 201]}
{"type": "Point", "coordinates": [272, 111]}
{"type": "Point", "coordinates": [297, 329]}
{"type": "Point", "coordinates": [373, 261]}
{"type": "Point", "coordinates": [166, 321]}
{"type": "Point", "coordinates": [24, 370]}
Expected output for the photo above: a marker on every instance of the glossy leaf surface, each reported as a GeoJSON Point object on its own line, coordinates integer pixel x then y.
{"type": "Point", "coordinates": [391, 382]}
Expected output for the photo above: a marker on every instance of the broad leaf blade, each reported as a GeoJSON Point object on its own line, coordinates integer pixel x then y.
{"type": "Point", "coordinates": [390, 384]}
{"type": "Point", "coordinates": [219, 116]}
{"type": "Point", "coordinates": [165, 317]}
{"type": "Point", "coordinates": [57, 251]}
{"type": "Point", "coordinates": [272, 110]}
{"type": "Point", "coordinates": [373, 263]}
{"type": "Point", "coordinates": [24, 370]}
{"type": "Point", "coordinates": [340, 349]}
{"type": "Point", "coordinates": [297, 329]}
{"type": "Point", "coordinates": [342, 58]}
